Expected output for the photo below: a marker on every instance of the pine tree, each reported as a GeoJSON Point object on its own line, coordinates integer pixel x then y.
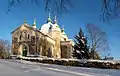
{"type": "Point", "coordinates": [81, 49]}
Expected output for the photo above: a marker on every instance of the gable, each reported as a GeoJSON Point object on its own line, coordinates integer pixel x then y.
{"type": "Point", "coordinates": [23, 26]}
{"type": "Point", "coordinates": [20, 29]}
{"type": "Point", "coordinates": [28, 29]}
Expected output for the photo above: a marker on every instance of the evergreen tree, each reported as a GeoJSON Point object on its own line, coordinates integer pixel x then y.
{"type": "Point", "coordinates": [81, 49]}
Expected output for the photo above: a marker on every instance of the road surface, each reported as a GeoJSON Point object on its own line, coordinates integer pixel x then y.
{"type": "Point", "coordinates": [26, 68]}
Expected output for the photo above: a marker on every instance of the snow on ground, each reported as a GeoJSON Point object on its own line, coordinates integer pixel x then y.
{"type": "Point", "coordinates": [79, 60]}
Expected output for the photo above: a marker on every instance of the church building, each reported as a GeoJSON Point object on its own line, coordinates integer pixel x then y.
{"type": "Point", "coordinates": [48, 41]}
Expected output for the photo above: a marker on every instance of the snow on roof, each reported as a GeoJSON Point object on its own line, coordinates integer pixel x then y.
{"type": "Point", "coordinates": [45, 27]}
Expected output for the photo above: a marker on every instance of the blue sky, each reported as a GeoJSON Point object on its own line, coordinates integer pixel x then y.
{"type": "Point", "coordinates": [83, 12]}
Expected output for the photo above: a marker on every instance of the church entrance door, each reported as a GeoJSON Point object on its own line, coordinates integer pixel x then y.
{"type": "Point", "coordinates": [24, 50]}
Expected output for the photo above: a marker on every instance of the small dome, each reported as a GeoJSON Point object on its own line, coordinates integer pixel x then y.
{"type": "Point", "coordinates": [63, 35]}
{"type": "Point", "coordinates": [55, 26]}
{"type": "Point", "coordinates": [49, 20]}
{"type": "Point", "coordinates": [25, 21]}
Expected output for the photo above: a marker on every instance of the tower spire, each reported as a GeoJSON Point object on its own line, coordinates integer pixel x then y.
{"type": "Point", "coordinates": [34, 24]}
{"type": "Point", "coordinates": [49, 15]}
{"type": "Point", "coordinates": [62, 28]}
{"type": "Point", "coordinates": [25, 21]}
{"type": "Point", "coordinates": [49, 18]}
{"type": "Point", "coordinates": [55, 20]}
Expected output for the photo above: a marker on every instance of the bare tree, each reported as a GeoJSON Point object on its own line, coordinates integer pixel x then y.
{"type": "Point", "coordinates": [110, 9]}
{"type": "Point", "coordinates": [4, 48]}
{"type": "Point", "coordinates": [53, 6]}
{"type": "Point", "coordinates": [97, 38]}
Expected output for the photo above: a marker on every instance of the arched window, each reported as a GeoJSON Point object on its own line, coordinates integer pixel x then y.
{"type": "Point", "coordinates": [33, 39]}
{"type": "Point", "coordinates": [64, 39]}
{"type": "Point", "coordinates": [28, 36]}
{"type": "Point", "coordinates": [24, 35]}
{"type": "Point", "coordinates": [20, 37]}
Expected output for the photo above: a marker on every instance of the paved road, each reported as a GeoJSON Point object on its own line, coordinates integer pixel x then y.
{"type": "Point", "coordinates": [25, 68]}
